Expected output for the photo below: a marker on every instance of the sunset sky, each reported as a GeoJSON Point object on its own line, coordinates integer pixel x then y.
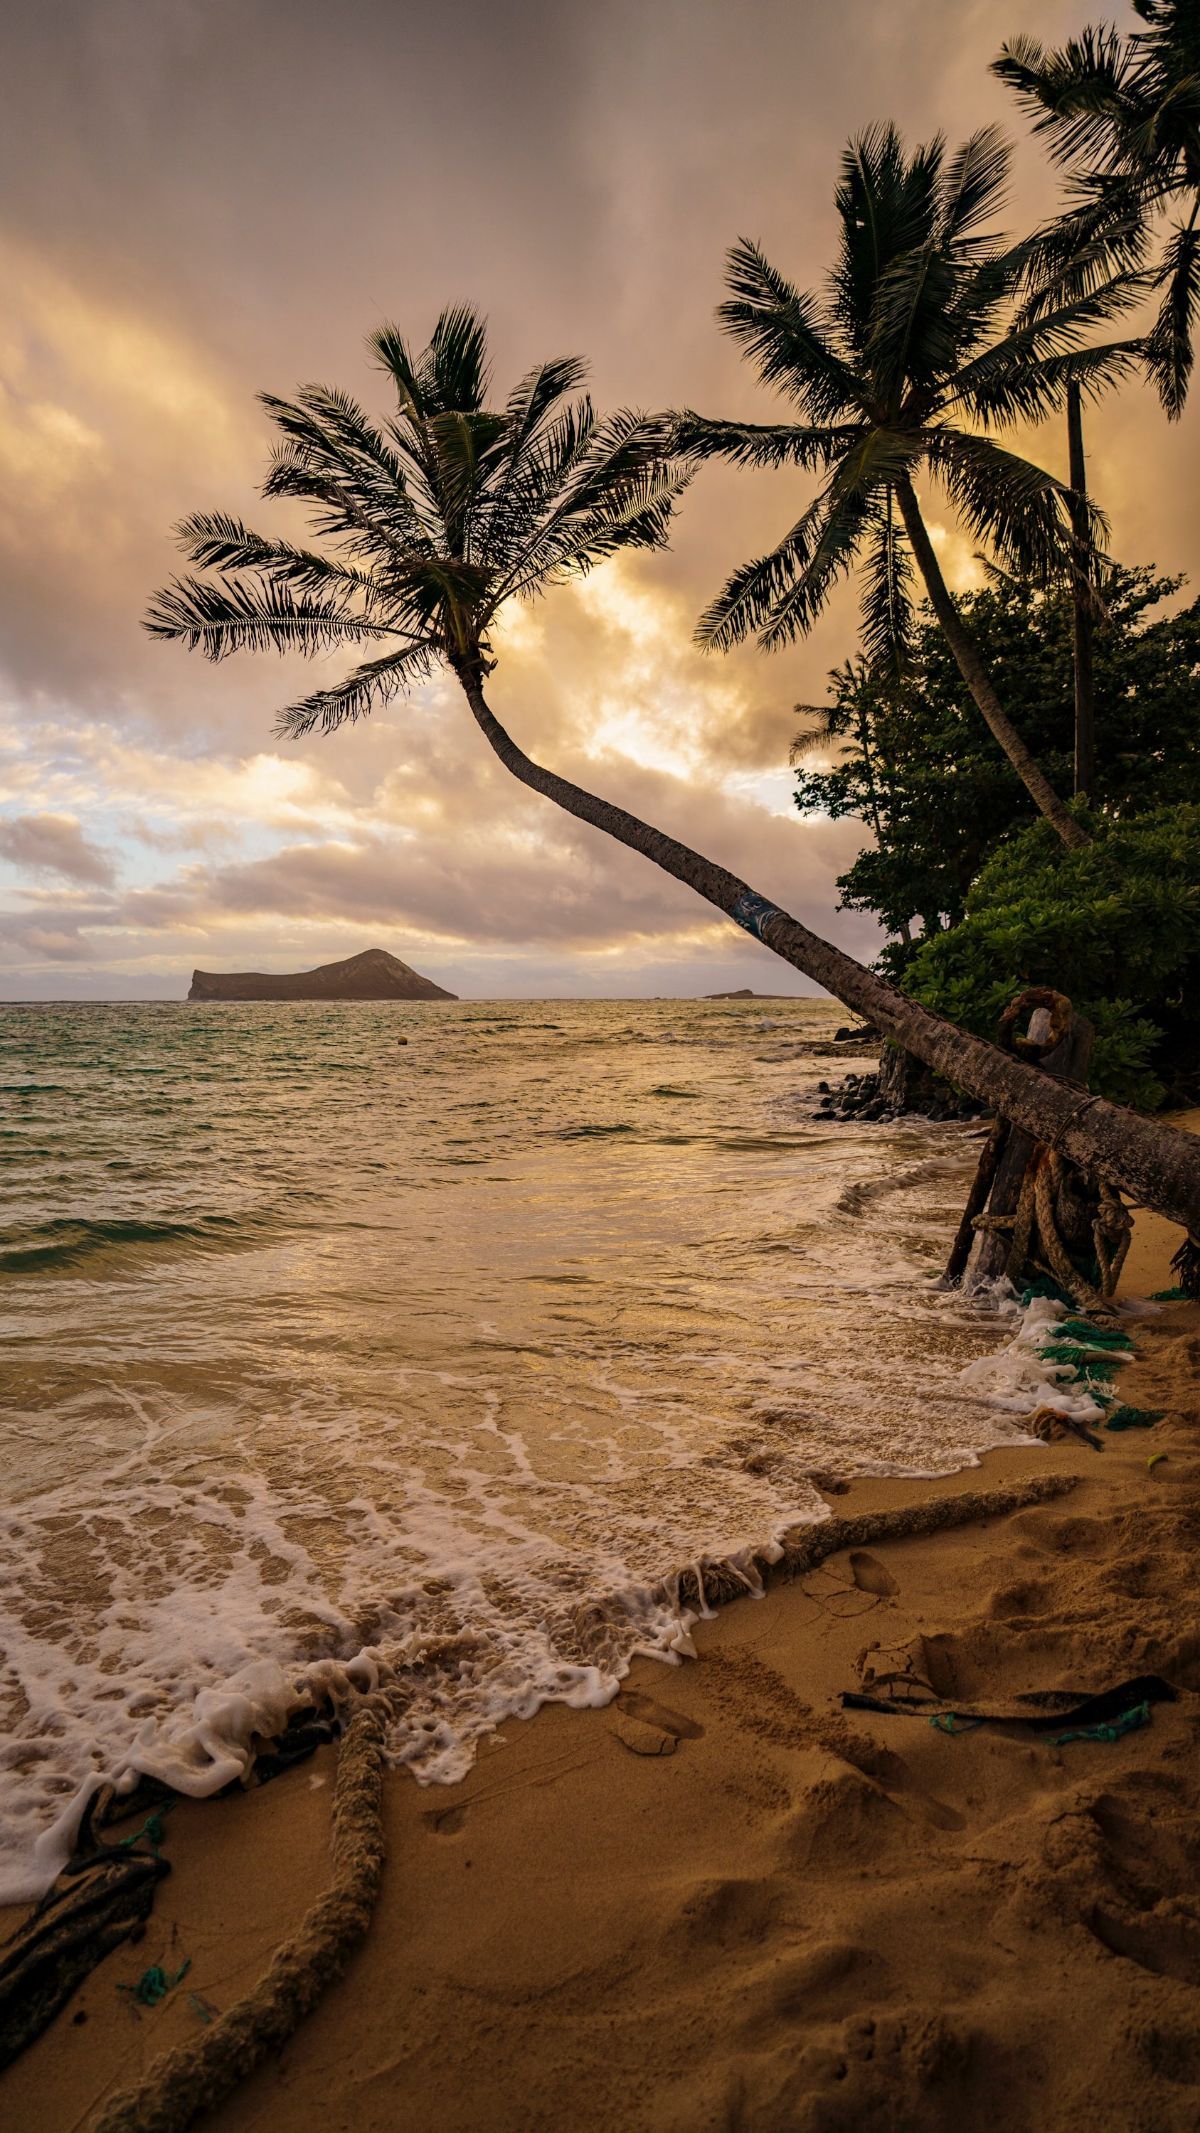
{"type": "Point", "coordinates": [201, 198]}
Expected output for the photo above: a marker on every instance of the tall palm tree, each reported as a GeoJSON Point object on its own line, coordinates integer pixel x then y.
{"type": "Point", "coordinates": [919, 346]}
{"type": "Point", "coordinates": [435, 517]}
{"type": "Point", "coordinates": [1123, 115]}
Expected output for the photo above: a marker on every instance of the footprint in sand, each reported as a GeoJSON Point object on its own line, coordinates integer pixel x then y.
{"type": "Point", "coordinates": [446, 1821]}
{"type": "Point", "coordinates": [647, 1727]}
{"type": "Point", "coordinates": [870, 1575]}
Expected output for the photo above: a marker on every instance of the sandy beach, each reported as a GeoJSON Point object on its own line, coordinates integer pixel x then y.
{"type": "Point", "coordinates": [726, 1902]}
{"type": "Point", "coordinates": [600, 1068]}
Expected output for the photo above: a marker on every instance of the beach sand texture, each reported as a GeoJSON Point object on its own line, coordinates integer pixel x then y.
{"type": "Point", "coordinates": [723, 1902]}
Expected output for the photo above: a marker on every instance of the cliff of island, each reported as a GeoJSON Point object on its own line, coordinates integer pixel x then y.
{"type": "Point", "coordinates": [373, 975]}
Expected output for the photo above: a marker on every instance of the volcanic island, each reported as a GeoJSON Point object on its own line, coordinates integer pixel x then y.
{"type": "Point", "coordinates": [373, 975]}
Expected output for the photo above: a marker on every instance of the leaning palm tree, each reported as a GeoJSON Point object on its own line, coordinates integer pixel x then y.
{"type": "Point", "coordinates": [919, 347]}
{"type": "Point", "coordinates": [1122, 114]}
{"type": "Point", "coordinates": [431, 521]}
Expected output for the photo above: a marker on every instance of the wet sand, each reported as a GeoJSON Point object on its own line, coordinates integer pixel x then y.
{"type": "Point", "coordinates": [724, 1902]}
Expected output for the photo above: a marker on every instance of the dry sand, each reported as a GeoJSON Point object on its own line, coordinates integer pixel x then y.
{"type": "Point", "coordinates": [726, 1903]}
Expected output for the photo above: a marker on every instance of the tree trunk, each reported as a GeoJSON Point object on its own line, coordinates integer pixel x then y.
{"type": "Point", "coordinates": [1081, 630]}
{"type": "Point", "coordinates": [1069, 1062]}
{"type": "Point", "coordinates": [975, 674]}
{"type": "Point", "coordinates": [1156, 1164]}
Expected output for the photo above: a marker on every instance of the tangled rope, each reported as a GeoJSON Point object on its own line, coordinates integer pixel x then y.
{"type": "Point", "coordinates": [198, 2075]}
{"type": "Point", "coordinates": [1037, 1237]}
{"type": "Point", "coordinates": [1059, 1016]}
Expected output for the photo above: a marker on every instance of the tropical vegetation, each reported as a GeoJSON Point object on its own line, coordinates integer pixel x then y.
{"type": "Point", "coordinates": [1122, 116]}
{"type": "Point", "coordinates": [922, 346]}
{"type": "Point", "coordinates": [1116, 926]}
{"type": "Point", "coordinates": [907, 756]}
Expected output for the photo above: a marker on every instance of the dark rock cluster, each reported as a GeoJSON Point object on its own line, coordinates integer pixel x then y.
{"type": "Point", "coordinates": [901, 1087]}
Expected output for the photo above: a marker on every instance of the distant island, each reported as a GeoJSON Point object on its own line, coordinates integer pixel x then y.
{"type": "Point", "coordinates": [744, 993]}
{"type": "Point", "coordinates": [373, 975]}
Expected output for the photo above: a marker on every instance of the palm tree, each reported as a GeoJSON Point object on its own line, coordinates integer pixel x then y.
{"type": "Point", "coordinates": [1123, 116]}
{"type": "Point", "coordinates": [432, 520]}
{"type": "Point", "coordinates": [919, 345]}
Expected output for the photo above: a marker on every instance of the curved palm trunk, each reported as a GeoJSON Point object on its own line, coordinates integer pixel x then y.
{"type": "Point", "coordinates": [1156, 1164]}
{"type": "Point", "coordinates": [975, 674]}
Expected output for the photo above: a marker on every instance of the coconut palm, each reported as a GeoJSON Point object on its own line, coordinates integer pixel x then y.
{"type": "Point", "coordinates": [433, 519]}
{"type": "Point", "coordinates": [1123, 115]}
{"type": "Point", "coordinates": [920, 346]}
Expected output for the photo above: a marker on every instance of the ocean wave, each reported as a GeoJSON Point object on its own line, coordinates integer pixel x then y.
{"type": "Point", "coordinates": [446, 1430]}
{"type": "Point", "coordinates": [65, 1245]}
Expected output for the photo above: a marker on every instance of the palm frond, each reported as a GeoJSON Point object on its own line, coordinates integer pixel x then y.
{"type": "Point", "coordinates": [536, 396]}
{"type": "Point", "coordinates": [887, 206]}
{"type": "Point", "coordinates": [396, 358]}
{"type": "Point", "coordinates": [1037, 339]}
{"type": "Point", "coordinates": [1019, 510]}
{"type": "Point", "coordinates": [887, 596]}
{"type": "Point", "coordinates": [391, 505]}
{"type": "Point", "coordinates": [913, 339]}
{"type": "Point", "coordinates": [974, 185]}
{"type": "Point", "coordinates": [634, 513]}
{"type": "Point", "coordinates": [1027, 392]}
{"type": "Point", "coordinates": [822, 729]}
{"type": "Point", "coordinates": [761, 444]}
{"type": "Point", "coordinates": [1104, 232]}
{"type": "Point", "coordinates": [461, 444]}
{"type": "Point", "coordinates": [219, 617]}
{"type": "Point", "coordinates": [1071, 95]}
{"type": "Point", "coordinates": [781, 332]}
{"type": "Point", "coordinates": [831, 556]}
{"type": "Point", "coordinates": [779, 596]}
{"type": "Point", "coordinates": [455, 370]}
{"type": "Point", "coordinates": [1169, 346]}
{"type": "Point", "coordinates": [215, 541]}
{"type": "Point", "coordinates": [749, 595]}
{"type": "Point", "coordinates": [367, 689]}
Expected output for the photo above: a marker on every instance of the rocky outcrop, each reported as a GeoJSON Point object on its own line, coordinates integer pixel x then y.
{"type": "Point", "coordinates": [902, 1088]}
{"type": "Point", "coordinates": [373, 975]}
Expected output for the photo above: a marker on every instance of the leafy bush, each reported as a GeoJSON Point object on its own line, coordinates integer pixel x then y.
{"type": "Point", "coordinates": [915, 762]}
{"type": "Point", "coordinates": [1116, 926]}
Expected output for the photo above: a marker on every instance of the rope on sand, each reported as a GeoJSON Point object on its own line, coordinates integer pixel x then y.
{"type": "Point", "coordinates": [198, 2075]}
{"type": "Point", "coordinates": [1037, 1240]}
{"type": "Point", "coordinates": [804, 1548]}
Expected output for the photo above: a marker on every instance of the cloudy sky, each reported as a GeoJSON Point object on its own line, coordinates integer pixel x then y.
{"type": "Point", "coordinates": [199, 198]}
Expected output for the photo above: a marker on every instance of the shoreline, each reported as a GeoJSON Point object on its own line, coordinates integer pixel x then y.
{"type": "Point", "coordinates": [723, 1900]}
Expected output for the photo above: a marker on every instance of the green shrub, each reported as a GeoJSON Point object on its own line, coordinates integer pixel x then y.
{"type": "Point", "coordinates": [1116, 926]}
